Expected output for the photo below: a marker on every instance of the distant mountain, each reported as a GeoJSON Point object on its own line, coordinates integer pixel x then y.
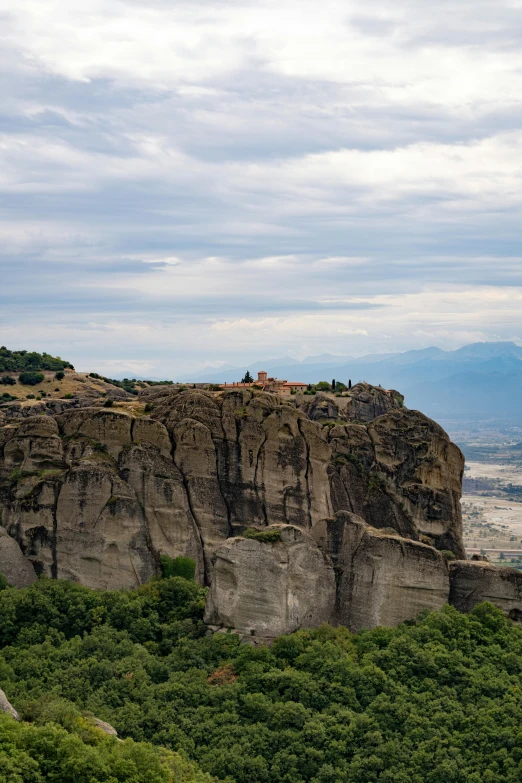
{"type": "Point", "coordinates": [477, 381]}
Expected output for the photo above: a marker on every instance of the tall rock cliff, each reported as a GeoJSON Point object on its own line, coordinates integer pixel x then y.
{"type": "Point", "coordinates": [363, 492]}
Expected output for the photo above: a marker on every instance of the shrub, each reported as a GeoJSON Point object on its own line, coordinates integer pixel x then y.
{"type": "Point", "coordinates": [68, 396]}
{"type": "Point", "coordinates": [3, 582]}
{"type": "Point", "coordinates": [214, 387]}
{"type": "Point", "coordinates": [266, 536]}
{"type": "Point", "coordinates": [148, 407]}
{"type": "Point", "coordinates": [60, 375]}
{"type": "Point", "coordinates": [448, 554]}
{"type": "Point", "coordinates": [6, 397]}
{"type": "Point", "coordinates": [30, 378]}
{"type": "Point", "coordinates": [322, 386]}
{"type": "Point", "coordinates": [179, 566]}
{"type": "Point", "coordinates": [108, 403]}
{"type": "Point", "coordinates": [8, 380]}
{"type": "Point", "coordinates": [30, 397]}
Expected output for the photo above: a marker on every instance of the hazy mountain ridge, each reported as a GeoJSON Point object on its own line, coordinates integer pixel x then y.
{"type": "Point", "coordinates": [480, 380]}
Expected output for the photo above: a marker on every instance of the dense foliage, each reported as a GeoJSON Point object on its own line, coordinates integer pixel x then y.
{"type": "Point", "coordinates": [18, 361]}
{"type": "Point", "coordinates": [70, 748]}
{"type": "Point", "coordinates": [437, 701]}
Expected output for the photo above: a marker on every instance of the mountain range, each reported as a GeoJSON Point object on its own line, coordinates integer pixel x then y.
{"type": "Point", "coordinates": [476, 382]}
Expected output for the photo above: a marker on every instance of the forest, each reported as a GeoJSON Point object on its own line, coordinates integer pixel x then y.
{"type": "Point", "coordinates": [438, 700]}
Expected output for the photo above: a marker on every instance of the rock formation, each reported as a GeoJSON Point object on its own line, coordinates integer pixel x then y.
{"type": "Point", "coordinates": [267, 588]}
{"type": "Point", "coordinates": [475, 581]}
{"type": "Point", "coordinates": [6, 707]}
{"type": "Point", "coordinates": [364, 494]}
{"type": "Point", "coordinates": [361, 403]}
{"type": "Point", "coordinates": [16, 568]}
{"type": "Point", "coordinates": [382, 578]}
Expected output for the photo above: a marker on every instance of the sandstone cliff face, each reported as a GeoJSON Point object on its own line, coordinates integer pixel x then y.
{"type": "Point", "coordinates": [269, 588]}
{"type": "Point", "coordinates": [382, 579]}
{"type": "Point", "coordinates": [400, 471]}
{"type": "Point", "coordinates": [13, 565]}
{"type": "Point", "coordinates": [96, 495]}
{"type": "Point", "coordinates": [473, 582]}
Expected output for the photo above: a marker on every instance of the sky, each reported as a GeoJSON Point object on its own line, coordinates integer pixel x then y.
{"type": "Point", "coordinates": [189, 184]}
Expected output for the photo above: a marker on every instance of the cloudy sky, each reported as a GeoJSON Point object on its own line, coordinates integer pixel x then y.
{"type": "Point", "coordinates": [192, 183]}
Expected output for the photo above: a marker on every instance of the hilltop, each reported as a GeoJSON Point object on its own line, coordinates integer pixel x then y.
{"type": "Point", "coordinates": [477, 381]}
{"type": "Point", "coordinates": [19, 361]}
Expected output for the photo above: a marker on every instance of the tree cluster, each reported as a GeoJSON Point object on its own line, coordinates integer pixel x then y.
{"type": "Point", "coordinates": [18, 361]}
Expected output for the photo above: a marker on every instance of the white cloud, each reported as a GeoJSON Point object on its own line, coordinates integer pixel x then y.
{"type": "Point", "coordinates": [188, 183]}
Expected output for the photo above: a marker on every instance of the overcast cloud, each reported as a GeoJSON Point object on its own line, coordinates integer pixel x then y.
{"type": "Point", "coordinates": [185, 183]}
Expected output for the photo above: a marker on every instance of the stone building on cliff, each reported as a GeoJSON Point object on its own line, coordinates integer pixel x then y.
{"type": "Point", "coordinates": [272, 385]}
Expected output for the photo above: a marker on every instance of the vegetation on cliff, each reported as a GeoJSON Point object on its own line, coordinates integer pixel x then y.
{"type": "Point", "coordinates": [18, 361]}
{"type": "Point", "coordinates": [434, 701]}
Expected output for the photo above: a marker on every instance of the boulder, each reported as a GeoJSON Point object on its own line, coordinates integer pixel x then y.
{"type": "Point", "coordinates": [105, 727]}
{"type": "Point", "coordinates": [6, 707]}
{"type": "Point", "coordinates": [265, 589]}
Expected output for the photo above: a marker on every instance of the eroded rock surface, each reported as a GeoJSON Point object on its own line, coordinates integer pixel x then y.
{"type": "Point", "coordinates": [382, 578]}
{"type": "Point", "coordinates": [475, 581]}
{"type": "Point", "coordinates": [267, 589]}
{"type": "Point", "coordinates": [97, 494]}
{"type": "Point", "coordinates": [362, 403]}
{"type": "Point", "coordinates": [13, 565]}
{"type": "Point", "coordinates": [400, 471]}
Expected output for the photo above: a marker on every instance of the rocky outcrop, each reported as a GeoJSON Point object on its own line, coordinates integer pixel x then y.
{"type": "Point", "coordinates": [475, 581]}
{"type": "Point", "coordinates": [105, 727]}
{"type": "Point", "coordinates": [6, 707]}
{"type": "Point", "coordinates": [400, 471]}
{"type": "Point", "coordinates": [13, 565]}
{"type": "Point", "coordinates": [382, 578]}
{"type": "Point", "coordinates": [362, 403]}
{"type": "Point", "coordinates": [265, 588]}
{"type": "Point", "coordinates": [94, 497]}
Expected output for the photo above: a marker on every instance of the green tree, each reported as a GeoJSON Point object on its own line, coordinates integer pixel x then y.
{"type": "Point", "coordinates": [247, 378]}
{"type": "Point", "coordinates": [30, 378]}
